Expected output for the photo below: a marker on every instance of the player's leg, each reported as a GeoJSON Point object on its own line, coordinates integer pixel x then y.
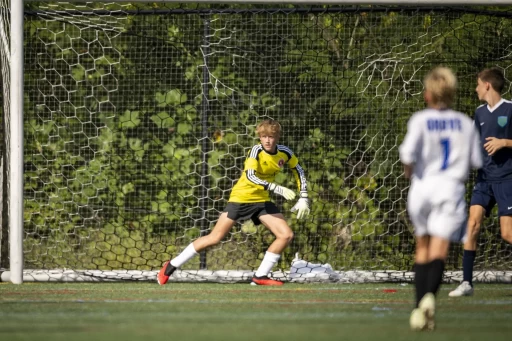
{"type": "Point", "coordinates": [506, 228]}
{"type": "Point", "coordinates": [279, 227]}
{"type": "Point", "coordinates": [503, 194]}
{"type": "Point", "coordinates": [476, 216]}
{"type": "Point", "coordinates": [222, 227]}
{"type": "Point", "coordinates": [284, 235]}
{"type": "Point", "coordinates": [431, 252]}
{"type": "Point", "coordinates": [418, 319]}
{"type": "Point", "coordinates": [446, 223]}
{"type": "Point", "coordinates": [421, 267]}
{"type": "Point", "coordinates": [437, 253]}
{"type": "Point", "coordinates": [482, 201]}
{"type": "Point", "coordinates": [219, 231]}
{"type": "Point", "coordinates": [418, 208]}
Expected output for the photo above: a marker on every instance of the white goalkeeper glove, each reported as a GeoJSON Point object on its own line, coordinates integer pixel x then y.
{"type": "Point", "coordinates": [287, 193]}
{"type": "Point", "coordinates": [302, 206]}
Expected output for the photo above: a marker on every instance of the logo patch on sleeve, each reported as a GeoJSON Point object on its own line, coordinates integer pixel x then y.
{"type": "Point", "coordinates": [502, 121]}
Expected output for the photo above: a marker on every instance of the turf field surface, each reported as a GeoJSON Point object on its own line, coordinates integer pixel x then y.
{"type": "Point", "coordinates": [183, 311]}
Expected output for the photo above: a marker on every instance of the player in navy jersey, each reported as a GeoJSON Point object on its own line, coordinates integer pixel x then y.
{"type": "Point", "coordinates": [494, 180]}
{"type": "Point", "coordinates": [250, 199]}
{"type": "Point", "coordinates": [439, 149]}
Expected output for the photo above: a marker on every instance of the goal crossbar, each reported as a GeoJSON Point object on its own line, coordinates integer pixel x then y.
{"type": "Point", "coordinates": [328, 2]}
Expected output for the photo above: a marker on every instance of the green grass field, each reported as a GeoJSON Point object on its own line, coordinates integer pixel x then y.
{"type": "Point", "coordinates": [146, 311]}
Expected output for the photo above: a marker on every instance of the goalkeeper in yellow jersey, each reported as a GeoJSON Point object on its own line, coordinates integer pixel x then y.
{"type": "Point", "coordinates": [250, 199]}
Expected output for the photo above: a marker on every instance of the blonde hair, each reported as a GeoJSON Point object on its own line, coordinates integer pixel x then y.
{"type": "Point", "coordinates": [441, 83]}
{"type": "Point", "coordinates": [269, 127]}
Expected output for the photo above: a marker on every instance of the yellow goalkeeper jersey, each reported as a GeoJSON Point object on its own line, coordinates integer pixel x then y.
{"type": "Point", "coordinates": [260, 169]}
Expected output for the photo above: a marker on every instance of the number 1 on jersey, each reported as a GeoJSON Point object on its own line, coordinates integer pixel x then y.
{"type": "Point", "coordinates": [445, 144]}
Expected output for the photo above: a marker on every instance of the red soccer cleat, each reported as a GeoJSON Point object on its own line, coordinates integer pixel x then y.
{"type": "Point", "coordinates": [165, 272]}
{"type": "Point", "coordinates": [264, 280]}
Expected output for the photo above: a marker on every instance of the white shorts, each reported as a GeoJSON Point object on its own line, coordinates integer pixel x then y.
{"type": "Point", "coordinates": [437, 207]}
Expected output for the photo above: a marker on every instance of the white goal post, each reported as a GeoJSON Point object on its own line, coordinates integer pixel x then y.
{"type": "Point", "coordinates": [86, 219]}
{"type": "Point", "coordinates": [15, 124]}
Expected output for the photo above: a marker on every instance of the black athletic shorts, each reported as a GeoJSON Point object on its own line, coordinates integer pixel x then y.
{"type": "Point", "coordinates": [253, 211]}
{"type": "Point", "coordinates": [488, 194]}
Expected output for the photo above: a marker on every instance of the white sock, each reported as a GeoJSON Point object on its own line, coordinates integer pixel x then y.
{"type": "Point", "coordinates": [184, 256]}
{"type": "Point", "coordinates": [267, 264]}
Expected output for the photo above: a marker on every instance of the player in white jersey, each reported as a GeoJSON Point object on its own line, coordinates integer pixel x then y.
{"type": "Point", "coordinates": [439, 149]}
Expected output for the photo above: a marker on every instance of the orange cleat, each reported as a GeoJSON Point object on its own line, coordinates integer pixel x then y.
{"type": "Point", "coordinates": [264, 280]}
{"type": "Point", "coordinates": [165, 272]}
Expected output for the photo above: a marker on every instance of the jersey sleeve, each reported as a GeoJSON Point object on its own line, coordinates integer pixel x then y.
{"type": "Point", "coordinates": [251, 165]}
{"type": "Point", "coordinates": [476, 151]}
{"type": "Point", "coordinates": [411, 146]}
{"type": "Point", "coordinates": [476, 122]}
{"type": "Point", "coordinates": [298, 173]}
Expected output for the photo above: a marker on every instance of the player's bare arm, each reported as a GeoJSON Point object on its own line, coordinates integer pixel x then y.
{"type": "Point", "coordinates": [408, 171]}
{"type": "Point", "coordinates": [493, 145]}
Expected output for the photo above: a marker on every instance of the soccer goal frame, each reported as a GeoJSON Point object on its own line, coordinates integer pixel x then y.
{"type": "Point", "coordinates": [13, 59]}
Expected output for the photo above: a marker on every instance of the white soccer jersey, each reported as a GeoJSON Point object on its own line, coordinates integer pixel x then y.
{"type": "Point", "coordinates": [441, 146]}
{"type": "Point", "coordinates": [441, 143]}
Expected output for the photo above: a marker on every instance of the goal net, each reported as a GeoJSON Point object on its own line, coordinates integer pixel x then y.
{"type": "Point", "coordinates": [138, 117]}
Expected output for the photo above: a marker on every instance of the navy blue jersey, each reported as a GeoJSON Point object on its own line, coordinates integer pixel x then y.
{"type": "Point", "coordinates": [495, 123]}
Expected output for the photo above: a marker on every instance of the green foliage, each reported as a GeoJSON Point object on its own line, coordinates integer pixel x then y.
{"type": "Point", "coordinates": [134, 135]}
